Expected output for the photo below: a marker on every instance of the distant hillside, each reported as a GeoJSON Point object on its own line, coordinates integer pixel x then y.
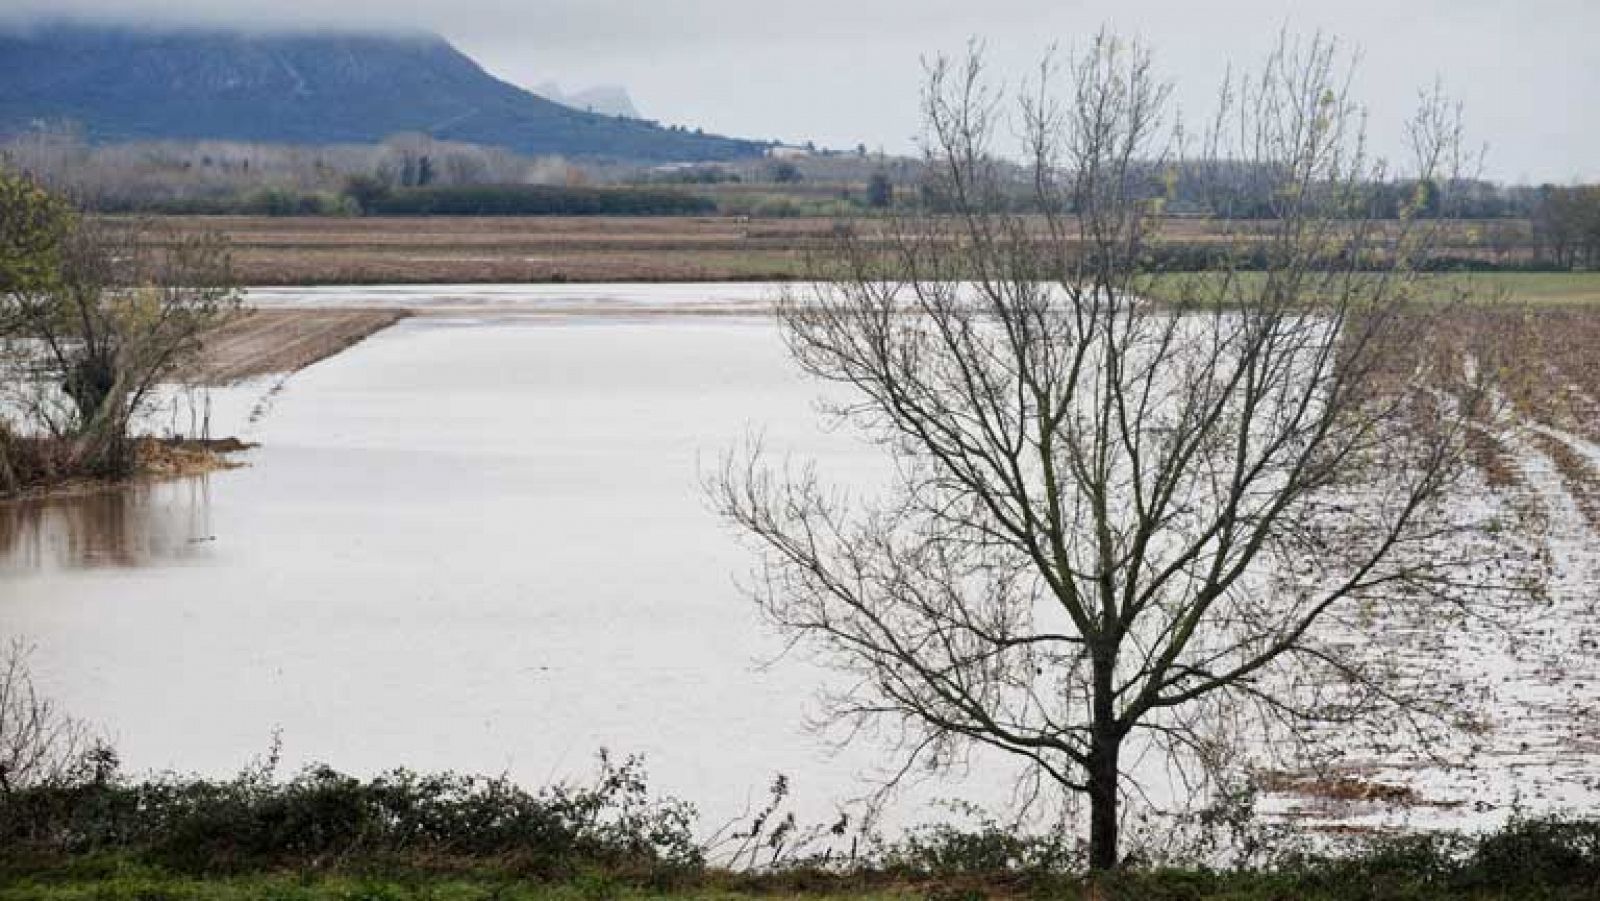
{"type": "Point", "coordinates": [606, 99]}
{"type": "Point", "coordinates": [303, 88]}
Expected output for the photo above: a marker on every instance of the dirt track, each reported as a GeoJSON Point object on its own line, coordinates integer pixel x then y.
{"type": "Point", "coordinates": [267, 341]}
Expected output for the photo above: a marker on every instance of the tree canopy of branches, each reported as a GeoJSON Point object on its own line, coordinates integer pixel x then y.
{"type": "Point", "coordinates": [1121, 527]}
{"type": "Point", "coordinates": [1566, 225]}
{"type": "Point", "coordinates": [95, 316]}
{"type": "Point", "coordinates": [39, 745]}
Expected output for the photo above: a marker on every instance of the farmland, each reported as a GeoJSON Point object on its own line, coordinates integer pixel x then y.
{"type": "Point", "coordinates": [460, 250]}
{"type": "Point", "coordinates": [310, 251]}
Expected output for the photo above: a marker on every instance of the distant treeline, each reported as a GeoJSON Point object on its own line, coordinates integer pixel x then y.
{"type": "Point", "coordinates": [440, 200]}
{"type": "Point", "coordinates": [1566, 226]}
{"type": "Point", "coordinates": [274, 201]}
{"type": "Point", "coordinates": [1239, 192]}
{"type": "Point", "coordinates": [530, 200]}
{"type": "Point", "coordinates": [1518, 226]}
{"type": "Point", "coordinates": [223, 177]}
{"type": "Point", "coordinates": [1179, 256]}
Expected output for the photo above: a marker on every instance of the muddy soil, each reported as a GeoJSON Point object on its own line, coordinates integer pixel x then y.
{"type": "Point", "coordinates": [263, 342]}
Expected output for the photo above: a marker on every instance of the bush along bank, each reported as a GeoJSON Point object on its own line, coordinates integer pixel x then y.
{"type": "Point", "coordinates": [325, 834]}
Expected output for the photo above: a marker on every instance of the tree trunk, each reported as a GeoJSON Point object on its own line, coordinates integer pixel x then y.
{"type": "Point", "coordinates": [8, 473]}
{"type": "Point", "coordinates": [1103, 778]}
{"type": "Point", "coordinates": [1105, 746]}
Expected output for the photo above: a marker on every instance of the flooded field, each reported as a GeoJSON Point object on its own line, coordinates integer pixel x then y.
{"type": "Point", "coordinates": [475, 544]}
{"type": "Point", "coordinates": [477, 541]}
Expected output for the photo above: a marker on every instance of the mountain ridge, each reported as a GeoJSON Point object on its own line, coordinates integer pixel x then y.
{"type": "Point", "coordinates": [124, 83]}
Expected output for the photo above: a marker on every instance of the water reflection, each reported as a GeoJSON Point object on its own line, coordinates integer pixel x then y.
{"type": "Point", "coordinates": [137, 525]}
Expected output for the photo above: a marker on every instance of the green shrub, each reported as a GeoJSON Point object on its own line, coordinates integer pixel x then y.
{"type": "Point", "coordinates": [536, 200]}
{"type": "Point", "coordinates": [1546, 852]}
{"type": "Point", "coordinates": [947, 851]}
{"type": "Point", "coordinates": [610, 838]}
{"type": "Point", "coordinates": [784, 206]}
{"type": "Point", "coordinates": [254, 820]}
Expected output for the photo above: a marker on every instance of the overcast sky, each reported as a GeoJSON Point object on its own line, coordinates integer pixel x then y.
{"type": "Point", "coordinates": [847, 71]}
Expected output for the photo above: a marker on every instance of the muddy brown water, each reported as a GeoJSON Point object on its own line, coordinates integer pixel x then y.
{"type": "Point", "coordinates": [141, 525]}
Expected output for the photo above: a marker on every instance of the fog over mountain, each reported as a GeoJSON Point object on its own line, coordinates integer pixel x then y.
{"type": "Point", "coordinates": [606, 99]}
{"type": "Point", "coordinates": [846, 71]}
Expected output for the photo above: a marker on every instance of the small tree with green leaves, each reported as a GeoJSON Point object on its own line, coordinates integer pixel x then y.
{"type": "Point", "coordinates": [97, 314]}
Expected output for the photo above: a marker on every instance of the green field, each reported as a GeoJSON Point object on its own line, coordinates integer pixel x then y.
{"type": "Point", "coordinates": [1532, 288]}
{"type": "Point", "coordinates": [1535, 287]}
{"type": "Point", "coordinates": [291, 887]}
{"type": "Point", "coordinates": [1172, 885]}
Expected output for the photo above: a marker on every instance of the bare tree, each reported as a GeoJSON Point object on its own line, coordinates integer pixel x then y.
{"type": "Point", "coordinates": [1121, 525]}
{"type": "Point", "coordinates": [39, 745]}
{"type": "Point", "coordinates": [1566, 225]}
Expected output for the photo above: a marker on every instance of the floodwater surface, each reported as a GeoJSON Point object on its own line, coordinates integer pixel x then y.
{"type": "Point", "coordinates": [471, 543]}
{"type": "Point", "coordinates": [478, 541]}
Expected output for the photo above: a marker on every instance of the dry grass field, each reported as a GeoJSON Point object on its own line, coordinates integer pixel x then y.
{"type": "Point", "coordinates": [469, 250]}
{"type": "Point", "coordinates": [267, 341]}
{"type": "Point", "coordinates": [459, 250]}
{"type": "Point", "coordinates": [293, 251]}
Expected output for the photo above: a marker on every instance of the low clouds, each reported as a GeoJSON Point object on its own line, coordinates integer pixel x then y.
{"type": "Point", "coordinates": [847, 71]}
